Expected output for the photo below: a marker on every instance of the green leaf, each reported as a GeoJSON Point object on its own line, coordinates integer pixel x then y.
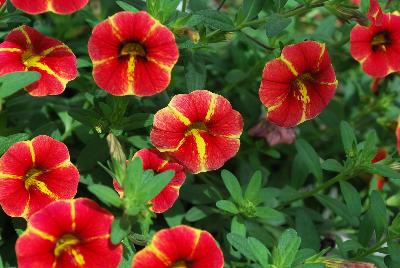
{"type": "Point", "coordinates": [348, 138]}
{"type": "Point", "coordinates": [383, 170]}
{"type": "Point", "coordinates": [7, 142]}
{"type": "Point", "coordinates": [249, 10]}
{"type": "Point", "coordinates": [12, 82]}
{"type": "Point", "coordinates": [332, 165]}
{"type": "Point", "coordinates": [127, 7]}
{"type": "Point", "coordinates": [253, 188]}
{"type": "Point", "coordinates": [369, 147]}
{"type": "Point", "coordinates": [338, 208]}
{"type": "Point", "coordinates": [395, 226]}
{"type": "Point", "coordinates": [106, 195]}
{"type": "Point", "coordinates": [310, 158]}
{"type": "Point", "coordinates": [352, 198]}
{"type": "Point", "coordinates": [288, 246]}
{"type": "Point", "coordinates": [269, 214]}
{"type": "Point", "coordinates": [216, 20]}
{"type": "Point", "coordinates": [260, 252]}
{"type": "Point", "coordinates": [133, 178]}
{"type": "Point", "coordinates": [276, 24]}
{"type": "Point", "coordinates": [120, 228]}
{"type": "Point", "coordinates": [378, 214]}
{"type": "Point", "coordinates": [307, 230]}
{"type": "Point", "coordinates": [238, 226]}
{"type": "Point", "coordinates": [198, 213]}
{"type": "Point", "coordinates": [299, 172]}
{"type": "Point", "coordinates": [366, 229]}
{"type": "Point", "coordinates": [279, 4]}
{"type": "Point", "coordinates": [233, 186]}
{"type": "Point", "coordinates": [227, 206]}
{"type": "Point", "coordinates": [195, 71]}
{"type": "Point", "coordinates": [240, 243]}
{"type": "Point", "coordinates": [154, 185]}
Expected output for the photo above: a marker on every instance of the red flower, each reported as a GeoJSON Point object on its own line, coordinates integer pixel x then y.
{"type": "Point", "coordinates": [377, 47]}
{"type": "Point", "coordinates": [158, 162]}
{"type": "Point", "coordinates": [34, 174]}
{"type": "Point", "coordinates": [25, 49]}
{"type": "Point", "coordinates": [132, 54]}
{"type": "Point", "coordinates": [2, 2]}
{"type": "Point", "coordinates": [200, 130]}
{"type": "Point", "coordinates": [69, 233]}
{"type": "Point", "coordinates": [298, 85]}
{"type": "Point", "coordinates": [180, 247]}
{"type": "Point", "coordinates": [380, 155]}
{"type": "Point", "coordinates": [57, 6]}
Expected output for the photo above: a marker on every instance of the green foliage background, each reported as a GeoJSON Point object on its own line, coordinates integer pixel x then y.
{"type": "Point", "coordinates": [277, 206]}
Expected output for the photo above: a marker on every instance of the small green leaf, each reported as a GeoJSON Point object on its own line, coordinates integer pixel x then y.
{"type": "Point", "coordinates": [106, 195]}
{"type": "Point", "coordinates": [195, 71]}
{"type": "Point", "coordinates": [120, 228]}
{"type": "Point", "coordinates": [260, 252]}
{"type": "Point", "coordinates": [310, 158]}
{"type": "Point", "coordinates": [233, 186]}
{"type": "Point", "coordinates": [249, 10]}
{"type": "Point", "coordinates": [216, 20]}
{"type": "Point", "coordinates": [348, 138]}
{"type": "Point", "coordinates": [284, 254]}
{"type": "Point", "coordinates": [7, 142]}
{"type": "Point", "coordinates": [378, 214]}
{"type": "Point", "coordinates": [269, 214]}
{"type": "Point", "coordinates": [339, 208]}
{"type": "Point", "coordinates": [352, 198]}
{"type": "Point", "coordinates": [332, 165]}
{"type": "Point", "coordinates": [383, 170]}
{"type": "Point", "coordinates": [12, 82]}
{"type": "Point", "coordinates": [133, 178]}
{"type": "Point", "coordinates": [227, 206]}
{"type": "Point", "coordinates": [254, 187]}
{"type": "Point", "coordinates": [154, 185]}
{"type": "Point", "coordinates": [127, 7]}
{"type": "Point", "coordinates": [276, 24]}
{"type": "Point", "coordinates": [240, 243]}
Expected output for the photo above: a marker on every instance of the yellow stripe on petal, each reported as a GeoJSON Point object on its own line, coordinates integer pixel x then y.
{"type": "Point", "coordinates": [27, 38]}
{"type": "Point", "coordinates": [162, 165]}
{"type": "Point", "coordinates": [201, 148]}
{"type": "Point", "coordinates": [78, 257]}
{"type": "Point", "coordinates": [41, 186]}
{"type": "Point", "coordinates": [303, 92]}
{"type": "Point", "coordinates": [66, 163]}
{"type": "Point", "coordinates": [196, 241]}
{"type": "Point", "coordinates": [50, 72]}
{"type": "Point", "coordinates": [31, 150]}
{"type": "Point", "coordinates": [153, 27]}
{"type": "Point", "coordinates": [10, 49]}
{"type": "Point", "coordinates": [104, 236]}
{"type": "Point", "coordinates": [115, 28]}
{"type": "Point", "coordinates": [289, 65]}
{"type": "Point", "coordinates": [160, 255]}
{"type": "Point", "coordinates": [211, 107]}
{"type": "Point", "coordinates": [171, 150]}
{"type": "Point", "coordinates": [73, 215]}
{"type": "Point", "coordinates": [131, 74]}
{"type": "Point", "coordinates": [162, 66]}
{"type": "Point", "coordinates": [103, 61]}
{"type": "Point", "coordinates": [41, 234]}
{"type": "Point", "coordinates": [323, 48]}
{"type": "Point", "coordinates": [26, 208]}
{"type": "Point", "coordinates": [179, 115]}
{"type": "Point", "coordinates": [52, 49]}
{"type": "Point", "coordinates": [6, 176]}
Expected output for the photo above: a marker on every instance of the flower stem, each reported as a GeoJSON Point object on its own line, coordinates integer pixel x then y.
{"type": "Point", "coordinates": [184, 4]}
{"type": "Point", "coordinates": [221, 4]}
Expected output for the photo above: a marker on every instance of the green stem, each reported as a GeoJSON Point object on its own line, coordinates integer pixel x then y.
{"type": "Point", "coordinates": [376, 247]}
{"type": "Point", "coordinates": [184, 4]}
{"type": "Point", "coordinates": [340, 177]}
{"type": "Point", "coordinates": [221, 5]}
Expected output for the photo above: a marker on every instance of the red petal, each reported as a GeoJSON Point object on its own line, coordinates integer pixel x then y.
{"type": "Point", "coordinates": [161, 46]}
{"type": "Point", "coordinates": [165, 199]}
{"type": "Point", "coordinates": [103, 43]}
{"type": "Point", "coordinates": [376, 64]}
{"type": "Point", "coordinates": [288, 114]}
{"type": "Point", "coordinates": [17, 160]}
{"type": "Point", "coordinates": [34, 251]}
{"type": "Point", "coordinates": [13, 196]}
{"type": "Point", "coordinates": [150, 77]}
{"type": "Point", "coordinates": [48, 152]}
{"type": "Point", "coordinates": [375, 13]}
{"type": "Point", "coordinates": [62, 181]}
{"type": "Point", "coordinates": [207, 253]}
{"type": "Point", "coordinates": [188, 155]}
{"type": "Point", "coordinates": [146, 258]}
{"type": "Point", "coordinates": [112, 77]}
{"type": "Point", "coordinates": [31, 6]}
{"type": "Point", "coordinates": [360, 42]}
{"type": "Point", "coordinates": [10, 58]}
{"type": "Point", "coordinates": [67, 7]}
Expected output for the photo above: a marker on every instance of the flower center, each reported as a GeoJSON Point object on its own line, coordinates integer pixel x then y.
{"type": "Point", "coordinates": [380, 40]}
{"type": "Point", "coordinates": [197, 126]}
{"type": "Point", "coordinates": [64, 243]}
{"type": "Point", "coordinates": [133, 49]}
{"type": "Point", "coordinates": [29, 59]}
{"type": "Point", "coordinates": [301, 88]}
{"type": "Point", "coordinates": [180, 264]}
{"type": "Point", "coordinates": [31, 177]}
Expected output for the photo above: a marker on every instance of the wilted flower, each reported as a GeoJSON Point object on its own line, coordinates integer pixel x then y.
{"type": "Point", "coordinates": [69, 233]}
{"type": "Point", "coordinates": [272, 133]}
{"type": "Point", "coordinates": [200, 130]}
{"type": "Point", "coordinates": [180, 247]}
{"type": "Point", "coordinates": [25, 49]}
{"type": "Point", "coordinates": [159, 162]}
{"type": "Point", "coordinates": [298, 85]}
{"type": "Point", "coordinates": [57, 6]}
{"type": "Point", "coordinates": [132, 54]}
{"type": "Point", "coordinates": [34, 174]}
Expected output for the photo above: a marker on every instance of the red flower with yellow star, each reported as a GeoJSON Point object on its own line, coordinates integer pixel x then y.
{"type": "Point", "coordinates": [377, 47]}
{"type": "Point", "coordinates": [35, 173]}
{"type": "Point", "coordinates": [57, 6]}
{"type": "Point", "coordinates": [69, 233]}
{"type": "Point", "coordinates": [299, 84]}
{"type": "Point", "coordinates": [132, 54]}
{"type": "Point", "coordinates": [159, 162]}
{"type": "Point", "coordinates": [200, 130]}
{"type": "Point", "coordinates": [25, 49]}
{"type": "Point", "coordinates": [180, 247]}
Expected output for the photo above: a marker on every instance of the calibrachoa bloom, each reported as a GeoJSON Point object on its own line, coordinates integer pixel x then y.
{"type": "Point", "coordinates": [377, 47]}
{"type": "Point", "coordinates": [158, 162]}
{"type": "Point", "coordinates": [35, 173]}
{"type": "Point", "coordinates": [69, 233]}
{"type": "Point", "coordinates": [25, 49]}
{"type": "Point", "coordinates": [200, 130]}
{"type": "Point", "coordinates": [299, 84]}
{"type": "Point", "coordinates": [57, 6]}
{"type": "Point", "coordinates": [180, 247]}
{"type": "Point", "coordinates": [132, 54]}
{"type": "Point", "coordinates": [380, 155]}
